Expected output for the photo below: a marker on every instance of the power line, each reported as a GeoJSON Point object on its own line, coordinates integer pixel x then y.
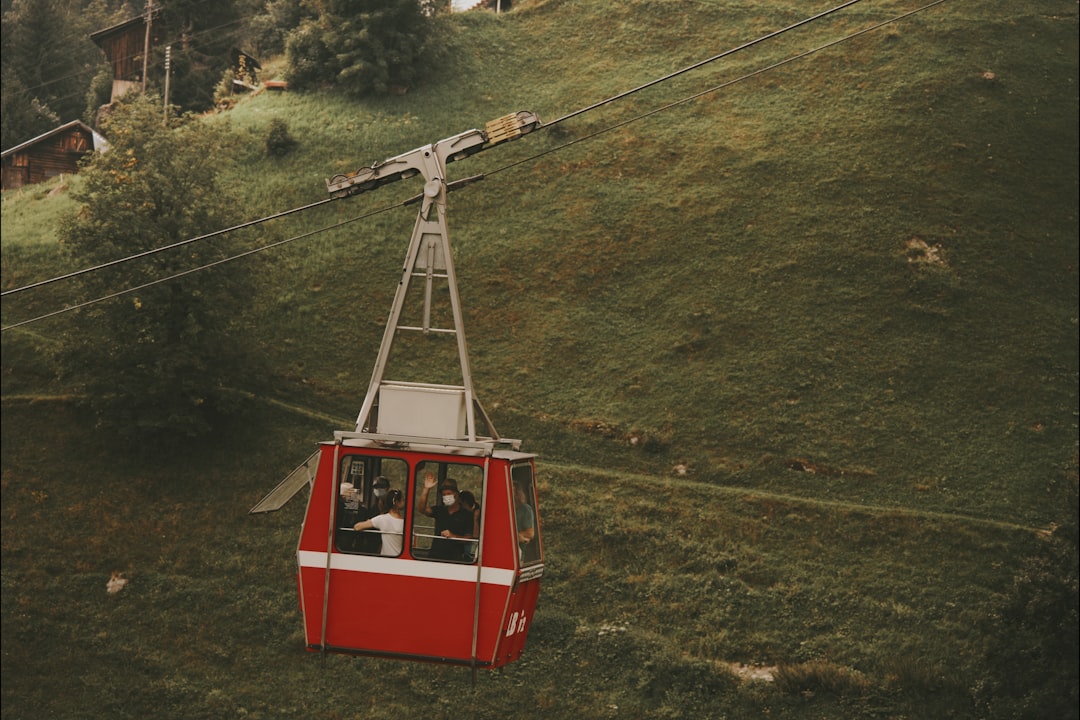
{"type": "Point", "coordinates": [588, 108]}
{"type": "Point", "coordinates": [532, 158]}
{"type": "Point", "coordinates": [713, 89]}
{"type": "Point", "coordinates": [163, 248]}
{"type": "Point", "coordinates": [702, 63]}
{"type": "Point", "coordinates": [65, 41]}
{"type": "Point", "coordinates": [565, 117]}
{"type": "Point", "coordinates": [200, 268]}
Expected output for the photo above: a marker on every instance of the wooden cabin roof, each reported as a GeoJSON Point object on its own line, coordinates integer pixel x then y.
{"type": "Point", "coordinates": [124, 45]}
{"type": "Point", "coordinates": [100, 143]}
{"type": "Point", "coordinates": [101, 36]}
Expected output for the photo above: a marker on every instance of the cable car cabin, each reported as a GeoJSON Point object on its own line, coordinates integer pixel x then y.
{"type": "Point", "coordinates": [421, 538]}
{"type": "Point", "coordinates": [453, 581]}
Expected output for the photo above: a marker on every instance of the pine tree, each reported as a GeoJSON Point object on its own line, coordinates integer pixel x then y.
{"type": "Point", "coordinates": [363, 48]}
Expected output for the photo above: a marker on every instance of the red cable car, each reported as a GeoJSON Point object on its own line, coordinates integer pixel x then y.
{"type": "Point", "coordinates": [414, 513]}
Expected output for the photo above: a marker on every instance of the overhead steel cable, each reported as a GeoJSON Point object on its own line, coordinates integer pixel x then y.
{"type": "Point", "coordinates": [200, 268]}
{"type": "Point", "coordinates": [701, 63]}
{"type": "Point", "coordinates": [580, 111]}
{"type": "Point", "coordinates": [531, 158]}
{"type": "Point", "coordinates": [163, 248]}
{"type": "Point", "coordinates": [713, 89]}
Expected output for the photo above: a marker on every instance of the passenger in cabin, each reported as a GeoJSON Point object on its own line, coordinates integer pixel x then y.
{"type": "Point", "coordinates": [468, 501]}
{"type": "Point", "coordinates": [453, 523]}
{"type": "Point", "coordinates": [379, 490]}
{"type": "Point", "coordinates": [525, 516]}
{"type": "Point", "coordinates": [350, 511]}
{"type": "Point", "coordinates": [391, 524]}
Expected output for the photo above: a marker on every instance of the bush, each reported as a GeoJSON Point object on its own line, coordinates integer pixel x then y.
{"type": "Point", "coordinates": [278, 140]}
{"type": "Point", "coordinates": [377, 46]}
{"type": "Point", "coordinates": [155, 365]}
{"type": "Point", "coordinates": [223, 93]}
{"type": "Point", "coordinates": [310, 63]}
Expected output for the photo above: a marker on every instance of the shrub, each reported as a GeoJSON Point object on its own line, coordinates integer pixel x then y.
{"type": "Point", "coordinates": [310, 63]}
{"type": "Point", "coordinates": [155, 365]}
{"type": "Point", "coordinates": [366, 48]}
{"type": "Point", "coordinates": [278, 139]}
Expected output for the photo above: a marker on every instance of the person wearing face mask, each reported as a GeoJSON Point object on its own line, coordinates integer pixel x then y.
{"type": "Point", "coordinates": [453, 523]}
{"type": "Point", "coordinates": [379, 490]}
{"type": "Point", "coordinates": [390, 524]}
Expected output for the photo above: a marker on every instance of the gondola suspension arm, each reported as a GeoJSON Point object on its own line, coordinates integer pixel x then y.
{"type": "Point", "coordinates": [428, 259]}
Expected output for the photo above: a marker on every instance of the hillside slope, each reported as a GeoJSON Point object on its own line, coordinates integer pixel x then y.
{"type": "Point", "coordinates": [864, 259]}
{"type": "Point", "coordinates": [799, 356]}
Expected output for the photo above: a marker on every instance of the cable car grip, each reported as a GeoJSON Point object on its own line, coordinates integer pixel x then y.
{"type": "Point", "coordinates": [457, 147]}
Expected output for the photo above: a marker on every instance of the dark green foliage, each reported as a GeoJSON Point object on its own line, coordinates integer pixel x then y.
{"type": "Point", "coordinates": [278, 139]}
{"type": "Point", "coordinates": [201, 34]}
{"type": "Point", "coordinates": [367, 48]}
{"type": "Point", "coordinates": [310, 61]}
{"type": "Point", "coordinates": [269, 27]}
{"type": "Point", "coordinates": [23, 115]}
{"type": "Point", "coordinates": [98, 94]}
{"type": "Point", "coordinates": [154, 363]}
{"type": "Point", "coordinates": [799, 359]}
{"type": "Point", "coordinates": [1034, 658]}
{"type": "Point", "coordinates": [48, 63]}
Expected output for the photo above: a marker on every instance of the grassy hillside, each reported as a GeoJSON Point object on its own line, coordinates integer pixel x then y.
{"type": "Point", "coordinates": [800, 358]}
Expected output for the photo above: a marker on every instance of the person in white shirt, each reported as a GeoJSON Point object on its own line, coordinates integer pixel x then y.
{"type": "Point", "coordinates": [391, 524]}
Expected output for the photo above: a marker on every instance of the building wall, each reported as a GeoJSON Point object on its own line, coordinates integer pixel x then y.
{"type": "Point", "coordinates": [51, 157]}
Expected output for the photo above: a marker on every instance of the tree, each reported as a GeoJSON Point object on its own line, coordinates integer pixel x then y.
{"type": "Point", "coordinates": [155, 364]}
{"type": "Point", "coordinates": [48, 61]}
{"type": "Point", "coordinates": [360, 48]}
{"type": "Point", "coordinates": [271, 24]}
{"type": "Point", "coordinates": [23, 115]}
{"type": "Point", "coordinates": [201, 33]}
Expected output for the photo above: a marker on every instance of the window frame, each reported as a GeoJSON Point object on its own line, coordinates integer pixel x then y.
{"type": "Point", "coordinates": [477, 485]}
{"type": "Point", "coordinates": [351, 542]}
{"type": "Point", "coordinates": [533, 553]}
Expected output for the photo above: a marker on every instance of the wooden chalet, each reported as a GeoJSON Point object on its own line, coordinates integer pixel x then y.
{"type": "Point", "coordinates": [245, 70]}
{"type": "Point", "coordinates": [53, 153]}
{"type": "Point", "coordinates": [125, 46]}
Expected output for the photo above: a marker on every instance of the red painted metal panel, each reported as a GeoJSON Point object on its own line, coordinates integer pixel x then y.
{"type": "Point", "coordinates": [519, 620]}
{"type": "Point", "coordinates": [416, 607]}
{"type": "Point", "coordinates": [404, 615]}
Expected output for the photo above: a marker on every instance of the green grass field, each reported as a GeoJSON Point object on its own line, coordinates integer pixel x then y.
{"type": "Point", "coordinates": [799, 358]}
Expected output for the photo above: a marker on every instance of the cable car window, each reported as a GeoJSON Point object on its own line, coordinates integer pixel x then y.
{"type": "Point", "coordinates": [367, 487]}
{"type": "Point", "coordinates": [446, 524]}
{"type": "Point", "coordinates": [525, 518]}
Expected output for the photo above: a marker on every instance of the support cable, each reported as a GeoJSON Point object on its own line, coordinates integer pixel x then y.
{"type": "Point", "coordinates": [163, 248]}
{"type": "Point", "coordinates": [244, 254]}
{"type": "Point", "coordinates": [713, 89]}
{"type": "Point", "coordinates": [575, 113]}
{"type": "Point", "coordinates": [531, 158]}
{"type": "Point", "coordinates": [695, 66]}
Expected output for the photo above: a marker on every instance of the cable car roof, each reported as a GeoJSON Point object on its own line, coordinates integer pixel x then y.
{"type": "Point", "coordinates": [502, 448]}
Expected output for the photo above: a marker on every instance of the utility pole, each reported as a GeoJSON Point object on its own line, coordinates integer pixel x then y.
{"type": "Point", "coordinates": [168, 64]}
{"type": "Point", "coordinates": [146, 44]}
